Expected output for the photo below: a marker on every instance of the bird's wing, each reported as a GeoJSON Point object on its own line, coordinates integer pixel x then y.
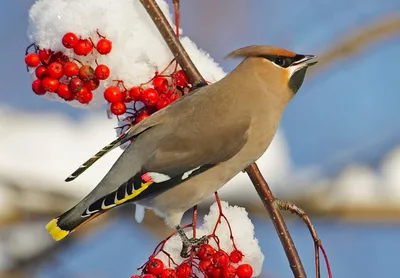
{"type": "Point", "coordinates": [131, 133]}
{"type": "Point", "coordinates": [174, 162]}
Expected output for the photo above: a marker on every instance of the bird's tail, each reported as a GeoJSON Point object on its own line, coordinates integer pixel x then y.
{"type": "Point", "coordinates": [68, 222]}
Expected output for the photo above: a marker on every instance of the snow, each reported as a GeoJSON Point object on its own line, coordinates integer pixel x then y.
{"type": "Point", "coordinates": [391, 176]}
{"type": "Point", "coordinates": [358, 185]}
{"type": "Point", "coordinates": [57, 146]}
{"type": "Point", "coordinates": [243, 233]}
{"type": "Point", "coordinates": [138, 48]}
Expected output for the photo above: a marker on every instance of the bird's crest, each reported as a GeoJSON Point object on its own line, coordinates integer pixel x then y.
{"type": "Point", "coordinates": [260, 50]}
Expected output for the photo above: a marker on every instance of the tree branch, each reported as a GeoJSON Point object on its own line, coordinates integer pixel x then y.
{"type": "Point", "coordinates": [268, 200]}
{"type": "Point", "coordinates": [256, 177]}
{"type": "Point", "coordinates": [173, 43]}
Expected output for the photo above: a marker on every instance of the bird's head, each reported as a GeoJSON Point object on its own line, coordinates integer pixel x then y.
{"type": "Point", "coordinates": [276, 66]}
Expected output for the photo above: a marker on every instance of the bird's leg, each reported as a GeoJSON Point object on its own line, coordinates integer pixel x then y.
{"type": "Point", "coordinates": [188, 243]}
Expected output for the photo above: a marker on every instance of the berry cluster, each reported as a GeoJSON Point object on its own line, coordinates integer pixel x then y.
{"type": "Point", "coordinates": [157, 93]}
{"type": "Point", "coordinates": [67, 77]}
{"type": "Point", "coordinates": [205, 259]}
{"type": "Point", "coordinates": [70, 79]}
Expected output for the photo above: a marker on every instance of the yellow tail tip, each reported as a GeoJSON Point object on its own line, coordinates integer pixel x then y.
{"type": "Point", "coordinates": [56, 232]}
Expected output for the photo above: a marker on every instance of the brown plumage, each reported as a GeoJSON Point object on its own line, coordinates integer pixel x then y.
{"type": "Point", "coordinates": [188, 150]}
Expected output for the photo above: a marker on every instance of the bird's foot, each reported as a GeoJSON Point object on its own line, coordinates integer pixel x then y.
{"type": "Point", "coordinates": [188, 243]}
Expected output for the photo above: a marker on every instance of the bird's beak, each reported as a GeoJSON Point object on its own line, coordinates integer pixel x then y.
{"type": "Point", "coordinates": [308, 60]}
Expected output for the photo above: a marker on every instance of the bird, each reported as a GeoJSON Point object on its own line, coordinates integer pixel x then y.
{"type": "Point", "coordinates": [188, 150]}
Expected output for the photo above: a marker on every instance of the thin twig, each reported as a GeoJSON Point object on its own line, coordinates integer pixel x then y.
{"type": "Point", "coordinates": [261, 186]}
{"type": "Point", "coordinates": [177, 16]}
{"type": "Point", "coordinates": [293, 208]}
{"type": "Point", "coordinates": [194, 221]}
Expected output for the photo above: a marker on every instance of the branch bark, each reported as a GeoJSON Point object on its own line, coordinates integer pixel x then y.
{"type": "Point", "coordinates": [254, 173]}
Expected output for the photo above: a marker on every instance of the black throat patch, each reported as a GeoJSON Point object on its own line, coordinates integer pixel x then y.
{"type": "Point", "coordinates": [296, 80]}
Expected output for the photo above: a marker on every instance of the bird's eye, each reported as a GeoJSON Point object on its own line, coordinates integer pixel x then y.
{"type": "Point", "coordinates": [280, 62]}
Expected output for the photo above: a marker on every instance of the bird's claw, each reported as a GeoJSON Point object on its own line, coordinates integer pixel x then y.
{"type": "Point", "coordinates": [188, 244]}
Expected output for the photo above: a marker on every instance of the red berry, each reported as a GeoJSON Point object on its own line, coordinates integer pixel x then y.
{"type": "Point", "coordinates": [71, 69]}
{"type": "Point", "coordinates": [236, 256]}
{"type": "Point", "coordinates": [83, 47]}
{"type": "Point", "coordinates": [86, 73]}
{"type": "Point", "coordinates": [63, 91]}
{"type": "Point", "coordinates": [104, 46]}
{"type": "Point", "coordinates": [215, 272]}
{"type": "Point", "coordinates": [205, 252]}
{"type": "Point", "coordinates": [136, 276]}
{"type": "Point", "coordinates": [183, 270]}
{"type": "Point", "coordinates": [84, 96]}
{"type": "Point", "coordinates": [126, 97]}
{"type": "Point", "coordinates": [59, 57]}
{"type": "Point", "coordinates": [93, 84]}
{"type": "Point", "coordinates": [55, 70]}
{"type": "Point", "coordinates": [229, 272]}
{"type": "Point", "coordinates": [174, 97]}
{"type": "Point", "coordinates": [102, 72]}
{"type": "Point", "coordinates": [50, 84]}
{"type": "Point", "coordinates": [180, 78]}
{"type": "Point", "coordinates": [150, 97]}
{"type": "Point", "coordinates": [162, 102]}
{"type": "Point", "coordinates": [32, 60]}
{"type": "Point", "coordinates": [204, 265]}
{"type": "Point", "coordinates": [75, 84]}
{"type": "Point", "coordinates": [37, 87]}
{"type": "Point", "coordinates": [40, 71]}
{"type": "Point", "coordinates": [220, 259]}
{"type": "Point", "coordinates": [168, 273]}
{"type": "Point", "coordinates": [141, 116]}
{"type": "Point", "coordinates": [45, 55]}
{"type": "Point", "coordinates": [155, 266]}
{"type": "Point", "coordinates": [69, 40]}
{"type": "Point", "coordinates": [118, 108]}
{"type": "Point", "coordinates": [244, 271]}
{"type": "Point", "coordinates": [160, 83]}
{"type": "Point", "coordinates": [113, 94]}
{"type": "Point", "coordinates": [168, 93]}
{"type": "Point", "coordinates": [136, 93]}
{"type": "Point", "coordinates": [149, 275]}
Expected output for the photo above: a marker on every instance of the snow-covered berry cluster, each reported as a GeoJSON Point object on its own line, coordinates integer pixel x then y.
{"type": "Point", "coordinates": [230, 250]}
{"type": "Point", "coordinates": [64, 75]}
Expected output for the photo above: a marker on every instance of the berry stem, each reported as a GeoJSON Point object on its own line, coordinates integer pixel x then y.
{"type": "Point", "coordinates": [194, 221]}
{"type": "Point", "coordinates": [30, 46]}
{"type": "Point", "coordinates": [165, 69]}
{"type": "Point", "coordinates": [91, 41]}
{"type": "Point", "coordinates": [100, 35]}
{"type": "Point", "coordinates": [79, 62]}
{"type": "Point", "coordinates": [177, 17]}
{"type": "Point", "coordinates": [222, 215]}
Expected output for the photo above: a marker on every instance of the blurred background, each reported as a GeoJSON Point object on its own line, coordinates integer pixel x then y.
{"type": "Point", "coordinates": [337, 153]}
